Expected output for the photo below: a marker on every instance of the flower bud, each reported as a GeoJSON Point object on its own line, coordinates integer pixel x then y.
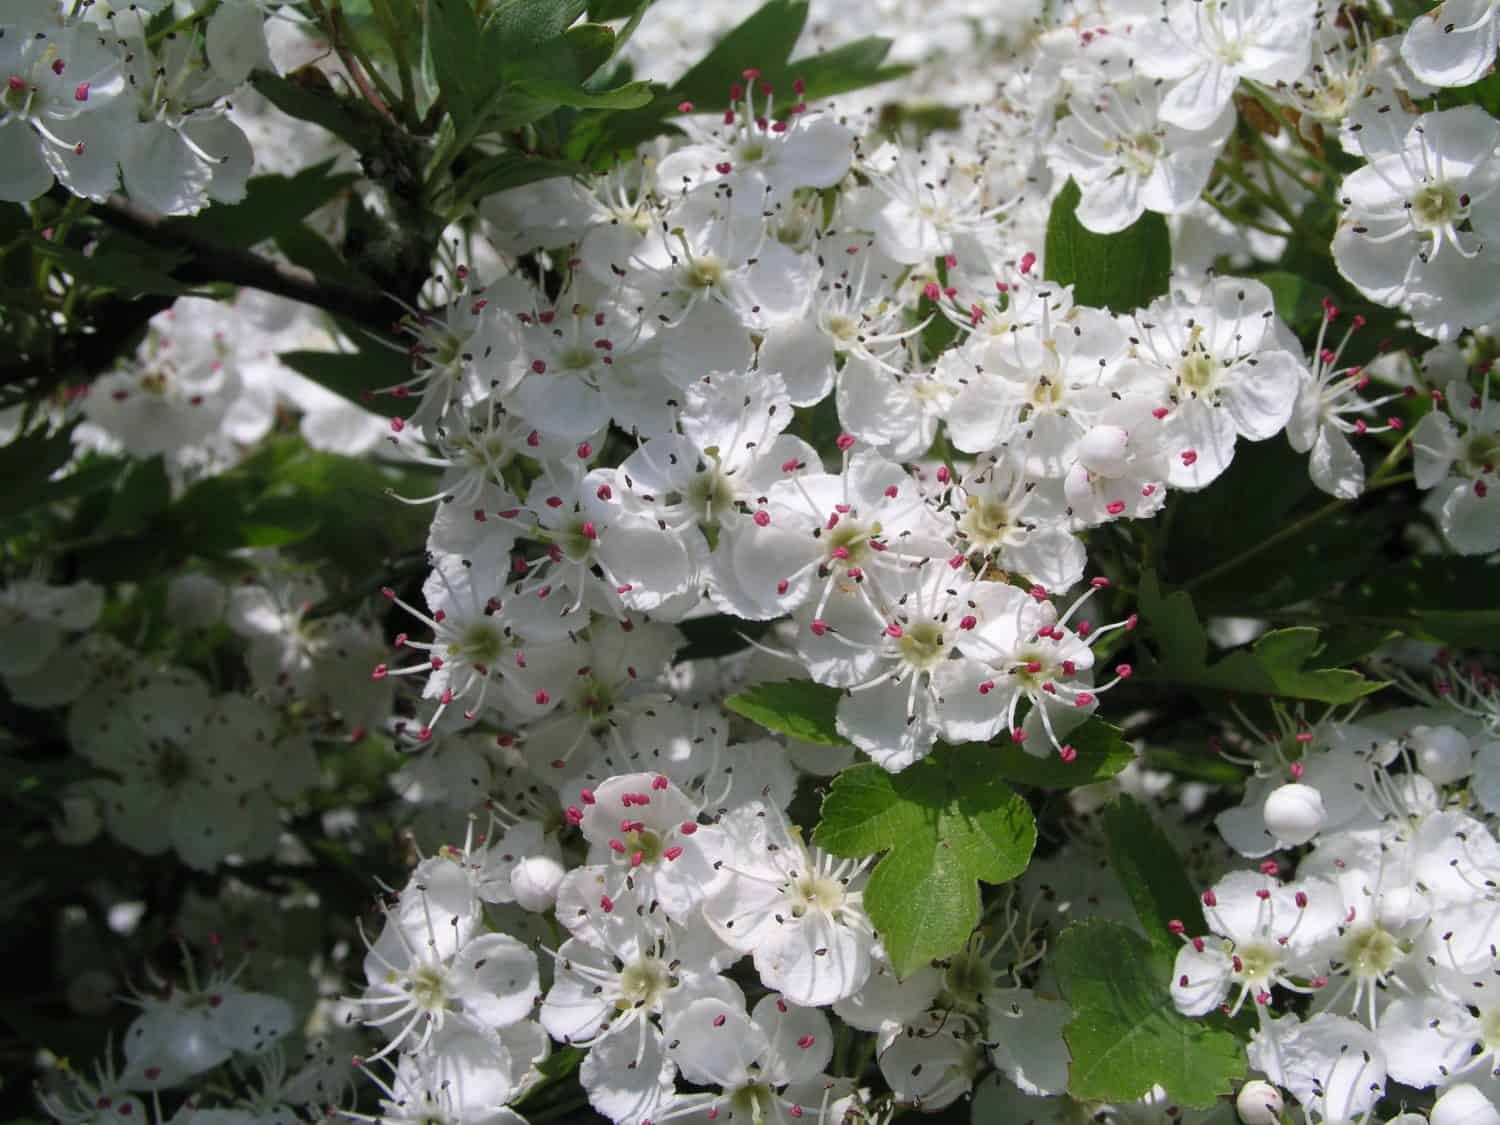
{"type": "Point", "coordinates": [1464, 1104]}
{"type": "Point", "coordinates": [1443, 754]}
{"type": "Point", "coordinates": [1294, 813]}
{"type": "Point", "coordinates": [1259, 1103]}
{"type": "Point", "coordinates": [1103, 450]}
{"type": "Point", "coordinates": [534, 882]}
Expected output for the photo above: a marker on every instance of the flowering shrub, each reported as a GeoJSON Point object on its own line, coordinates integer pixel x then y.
{"type": "Point", "coordinates": [629, 561]}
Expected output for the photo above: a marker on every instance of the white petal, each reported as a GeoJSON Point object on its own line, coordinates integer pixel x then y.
{"type": "Point", "coordinates": [877, 722]}
{"type": "Point", "coordinates": [236, 41]}
{"type": "Point", "coordinates": [816, 153]}
{"type": "Point", "coordinates": [24, 175]}
{"type": "Point", "coordinates": [1201, 441]}
{"type": "Point", "coordinates": [1198, 99]}
{"type": "Point", "coordinates": [1471, 522]}
{"type": "Point", "coordinates": [1458, 57]}
{"type": "Point", "coordinates": [1434, 443]}
{"type": "Point", "coordinates": [161, 172]}
{"type": "Point", "coordinates": [715, 1043]}
{"type": "Point", "coordinates": [496, 978]}
{"type": "Point", "coordinates": [1026, 1034]}
{"type": "Point", "coordinates": [1200, 981]}
{"type": "Point", "coordinates": [799, 1041]}
{"type": "Point", "coordinates": [1335, 467]}
{"type": "Point", "coordinates": [1261, 396]}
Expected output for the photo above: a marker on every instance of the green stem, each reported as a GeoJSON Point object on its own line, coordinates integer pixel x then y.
{"type": "Point", "coordinates": [397, 42]}
{"type": "Point", "coordinates": [332, 21]}
{"type": "Point", "coordinates": [1281, 211]}
{"type": "Point", "coordinates": [1241, 220]}
{"type": "Point", "coordinates": [187, 21]}
{"type": "Point", "coordinates": [1380, 479]}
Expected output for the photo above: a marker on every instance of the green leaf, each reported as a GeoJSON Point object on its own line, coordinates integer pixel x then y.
{"type": "Point", "coordinates": [946, 823]}
{"type": "Point", "coordinates": [467, 73]}
{"type": "Point", "coordinates": [628, 96]}
{"type": "Point", "coordinates": [515, 28]}
{"type": "Point", "coordinates": [1125, 1035]}
{"type": "Point", "coordinates": [307, 94]}
{"type": "Point", "coordinates": [119, 263]}
{"type": "Point", "coordinates": [851, 66]}
{"type": "Point", "coordinates": [1279, 663]}
{"type": "Point", "coordinates": [601, 10]}
{"type": "Point", "coordinates": [1102, 753]}
{"type": "Point", "coordinates": [1215, 533]}
{"type": "Point", "coordinates": [799, 708]}
{"type": "Point", "coordinates": [1447, 598]}
{"type": "Point", "coordinates": [356, 376]}
{"type": "Point", "coordinates": [1120, 272]}
{"type": "Point", "coordinates": [1147, 866]}
{"type": "Point", "coordinates": [1299, 300]}
{"type": "Point", "coordinates": [271, 205]}
{"type": "Point", "coordinates": [27, 463]}
{"type": "Point", "coordinates": [507, 170]}
{"type": "Point", "coordinates": [764, 41]}
{"type": "Point", "coordinates": [143, 495]}
{"type": "Point", "coordinates": [322, 507]}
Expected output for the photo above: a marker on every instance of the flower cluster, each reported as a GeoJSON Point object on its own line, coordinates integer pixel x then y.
{"type": "Point", "coordinates": [787, 401]}
{"type": "Point", "coordinates": [1383, 918]}
{"type": "Point", "coordinates": [101, 104]}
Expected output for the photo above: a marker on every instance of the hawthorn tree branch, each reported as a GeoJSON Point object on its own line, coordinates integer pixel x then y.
{"type": "Point", "coordinates": [114, 321]}
{"type": "Point", "coordinates": [209, 262]}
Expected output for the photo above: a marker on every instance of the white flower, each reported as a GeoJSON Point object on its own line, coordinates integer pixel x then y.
{"type": "Point", "coordinates": [416, 988]}
{"type": "Point", "coordinates": [1418, 222]}
{"type": "Point", "coordinates": [1038, 391]}
{"type": "Point", "coordinates": [818, 532]}
{"type": "Point", "coordinates": [192, 768]}
{"type": "Point", "coordinates": [59, 83]}
{"type": "Point", "coordinates": [1204, 47]}
{"type": "Point", "coordinates": [1335, 1067]}
{"type": "Point", "coordinates": [1121, 469]}
{"type": "Point", "coordinates": [195, 1029]}
{"type": "Point", "coordinates": [1459, 462]}
{"type": "Point", "coordinates": [631, 978]}
{"type": "Point", "coordinates": [643, 831]}
{"type": "Point", "coordinates": [797, 910]}
{"type": "Point", "coordinates": [1219, 372]}
{"type": "Point", "coordinates": [1454, 43]}
{"type": "Point", "coordinates": [1318, 426]}
{"type": "Point", "coordinates": [1017, 523]}
{"type": "Point", "coordinates": [931, 1062]}
{"type": "Point", "coordinates": [177, 149]}
{"type": "Point", "coordinates": [766, 1066]}
{"type": "Point", "coordinates": [754, 153]}
{"type": "Point", "coordinates": [36, 617]}
{"type": "Point", "coordinates": [1266, 934]}
{"type": "Point", "coordinates": [1021, 650]}
{"type": "Point", "coordinates": [1127, 160]}
{"type": "Point", "coordinates": [177, 389]}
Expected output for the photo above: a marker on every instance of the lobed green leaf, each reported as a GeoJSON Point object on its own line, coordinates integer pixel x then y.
{"type": "Point", "coordinates": [1126, 1035]}
{"type": "Point", "coordinates": [946, 823]}
{"type": "Point", "coordinates": [1120, 272]}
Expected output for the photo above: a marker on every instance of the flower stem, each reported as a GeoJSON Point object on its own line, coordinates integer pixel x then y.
{"type": "Point", "coordinates": [1381, 478]}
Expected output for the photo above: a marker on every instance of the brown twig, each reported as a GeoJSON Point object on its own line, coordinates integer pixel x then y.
{"type": "Point", "coordinates": [209, 262]}
{"type": "Point", "coordinates": [351, 64]}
